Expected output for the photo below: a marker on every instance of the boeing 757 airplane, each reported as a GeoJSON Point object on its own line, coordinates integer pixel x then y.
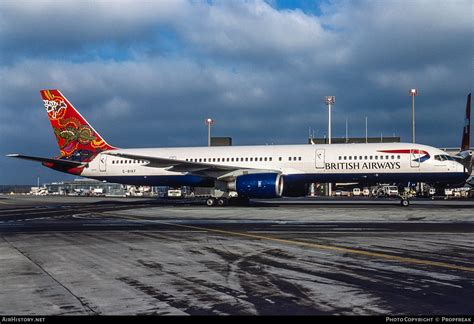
{"type": "Point", "coordinates": [237, 173]}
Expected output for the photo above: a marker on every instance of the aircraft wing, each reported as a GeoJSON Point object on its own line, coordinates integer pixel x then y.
{"type": "Point", "coordinates": [58, 162]}
{"type": "Point", "coordinates": [222, 172]}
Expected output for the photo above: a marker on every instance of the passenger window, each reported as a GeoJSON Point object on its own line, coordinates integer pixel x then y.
{"type": "Point", "coordinates": [265, 159]}
{"type": "Point", "coordinates": [345, 157]}
{"type": "Point", "coordinates": [279, 159]}
{"type": "Point", "coordinates": [371, 157]}
{"type": "Point", "coordinates": [365, 157]}
{"type": "Point", "coordinates": [289, 158]}
{"type": "Point", "coordinates": [340, 158]}
{"type": "Point", "coordinates": [386, 157]}
{"type": "Point", "coordinates": [393, 157]}
{"type": "Point", "coordinates": [251, 159]}
{"type": "Point", "coordinates": [246, 159]}
{"type": "Point", "coordinates": [299, 159]}
{"type": "Point", "coordinates": [398, 157]}
{"type": "Point", "coordinates": [360, 157]}
{"type": "Point", "coordinates": [355, 157]}
{"type": "Point", "coordinates": [376, 157]}
{"type": "Point", "coordinates": [200, 160]}
{"type": "Point", "coordinates": [269, 159]}
{"type": "Point", "coordinates": [350, 157]}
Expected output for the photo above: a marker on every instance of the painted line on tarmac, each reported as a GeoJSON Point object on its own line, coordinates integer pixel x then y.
{"type": "Point", "coordinates": [314, 245]}
{"type": "Point", "coordinates": [335, 248]}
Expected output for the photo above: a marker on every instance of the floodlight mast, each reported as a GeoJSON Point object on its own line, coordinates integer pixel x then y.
{"type": "Point", "coordinates": [209, 122]}
{"type": "Point", "coordinates": [413, 93]}
{"type": "Point", "coordinates": [329, 100]}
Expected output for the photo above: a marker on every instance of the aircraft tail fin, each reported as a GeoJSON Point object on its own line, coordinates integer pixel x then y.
{"type": "Point", "coordinates": [77, 140]}
{"type": "Point", "coordinates": [466, 133]}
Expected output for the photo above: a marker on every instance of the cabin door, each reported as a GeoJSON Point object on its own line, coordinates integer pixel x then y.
{"type": "Point", "coordinates": [415, 158]}
{"type": "Point", "coordinates": [103, 163]}
{"type": "Point", "coordinates": [320, 159]}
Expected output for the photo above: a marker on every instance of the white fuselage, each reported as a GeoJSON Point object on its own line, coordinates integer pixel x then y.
{"type": "Point", "coordinates": [379, 162]}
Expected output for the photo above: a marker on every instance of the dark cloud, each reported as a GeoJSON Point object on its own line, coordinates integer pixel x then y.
{"type": "Point", "coordinates": [147, 74]}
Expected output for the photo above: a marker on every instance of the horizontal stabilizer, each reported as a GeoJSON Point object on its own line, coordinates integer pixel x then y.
{"type": "Point", "coordinates": [463, 155]}
{"type": "Point", "coordinates": [57, 162]}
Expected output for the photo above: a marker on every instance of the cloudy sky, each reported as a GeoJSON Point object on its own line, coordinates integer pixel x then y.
{"type": "Point", "coordinates": [147, 73]}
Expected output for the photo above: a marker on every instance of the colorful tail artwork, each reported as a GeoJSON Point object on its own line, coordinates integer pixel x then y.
{"type": "Point", "coordinates": [77, 140]}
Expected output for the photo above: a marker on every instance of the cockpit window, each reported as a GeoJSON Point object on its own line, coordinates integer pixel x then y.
{"type": "Point", "coordinates": [444, 157]}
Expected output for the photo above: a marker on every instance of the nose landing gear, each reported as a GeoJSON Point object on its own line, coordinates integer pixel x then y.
{"type": "Point", "coordinates": [405, 202]}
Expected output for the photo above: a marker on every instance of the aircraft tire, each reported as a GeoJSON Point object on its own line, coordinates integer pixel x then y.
{"type": "Point", "coordinates": [405, 202]}
{"type": "Point", "coordinates": [210, 202]}
{"type": "Point", "coordinates": [221, 202]}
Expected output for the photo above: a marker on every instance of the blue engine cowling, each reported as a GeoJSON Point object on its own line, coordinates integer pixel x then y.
{"type": "Point", "coordinates": [259, 185]}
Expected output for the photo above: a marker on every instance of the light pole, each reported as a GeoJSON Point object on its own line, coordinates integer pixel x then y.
{"type": "Point", "coordinates": [413, 93]}
{"type": "Point", "coordinates": [366, 139]}
{"type": "Point", "coordinates": [329, 100]}
{"type": "Point", "coordinates": [209, 122]}
{"type": "Point", "coordinates": [347, 136]}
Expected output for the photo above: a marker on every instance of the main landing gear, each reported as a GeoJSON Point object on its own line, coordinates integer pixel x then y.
{"type": "Point", "coordinates": [223, 201]}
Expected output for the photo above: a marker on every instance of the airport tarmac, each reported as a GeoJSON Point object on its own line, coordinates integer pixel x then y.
{"type": "Point", "coordinates": [87, 256]}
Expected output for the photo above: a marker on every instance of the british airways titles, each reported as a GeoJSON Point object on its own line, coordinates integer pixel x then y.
{"type": "Point", "coordinates": [362, 165]}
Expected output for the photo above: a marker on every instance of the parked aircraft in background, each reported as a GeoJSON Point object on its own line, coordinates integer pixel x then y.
{"type": "Point", "coordinates": [240, 172]}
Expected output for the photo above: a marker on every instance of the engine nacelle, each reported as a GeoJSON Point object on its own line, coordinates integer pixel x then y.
{"type": "Point", "coordinates": [259, 185]}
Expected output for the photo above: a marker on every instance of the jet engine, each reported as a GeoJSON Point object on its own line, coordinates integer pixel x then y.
{"type": "Point", "coordinates": [259, 185]}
